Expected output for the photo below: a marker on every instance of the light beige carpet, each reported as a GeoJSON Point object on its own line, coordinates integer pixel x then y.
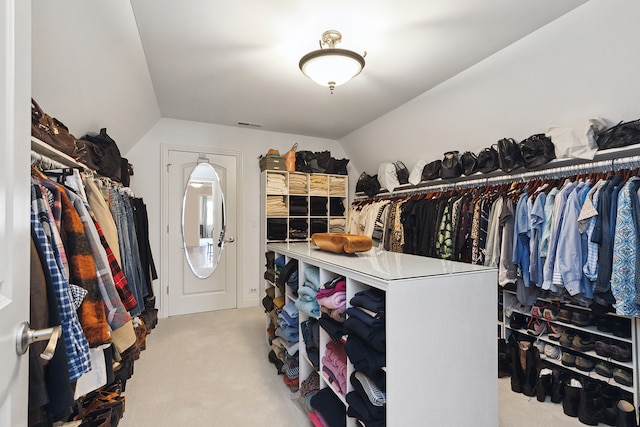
{"type": "Point", "coordinates": [211, 370]}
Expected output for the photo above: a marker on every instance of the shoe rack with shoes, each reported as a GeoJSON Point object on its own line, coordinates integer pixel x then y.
{"type": "Point", "coordinates": [589, 347]}
{"type": "Point", "coordinates": [582, 396]}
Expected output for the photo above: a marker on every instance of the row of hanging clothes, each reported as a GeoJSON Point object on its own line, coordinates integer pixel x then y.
{"type": "Point", "coordinates": [91, 274]}
{"type": "Point", "coordinates": [571, 235]}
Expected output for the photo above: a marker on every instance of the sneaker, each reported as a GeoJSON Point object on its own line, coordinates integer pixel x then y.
{"type": "Point", "coordinates": [623, 376]}
{"type": "Point", "coordinates": [605, 369]}
{"type": "Point", "coordinates": [581, 318]}
{"type": "Point", "coordinates": [536, 328]}
{"type": "Point", "coordinates": [566, 339]}
{"type": "Point", "coordinates": [552, 352]}
{"type": "Point", "coordinates": [550, 313]}
{"type": "Point", "coordinates": [568, 359]}
{"type": "Point", "coordinates": [556, 332]}
{"type": "Point", "coordinates": [517, 320]}
{"type": "Point", "coordinates": [584, 363]}
{"type": "Point", "coordinates": [565, 315]}
{"type": "Point", "coordinates": [582, 343]}
{"type": "Point", "coordinates": [536, 311]}
{"type": "Point", "coordinates": [621, 352]}
{"type": "Point", "coordinates": [603, 348]}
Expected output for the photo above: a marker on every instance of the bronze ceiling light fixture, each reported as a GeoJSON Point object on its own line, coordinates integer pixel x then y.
{"type": "Point", "coordinates": [331, 66]}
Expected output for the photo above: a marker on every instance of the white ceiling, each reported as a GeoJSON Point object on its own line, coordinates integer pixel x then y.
{"type": "Point", "coordinates": [226, 62]}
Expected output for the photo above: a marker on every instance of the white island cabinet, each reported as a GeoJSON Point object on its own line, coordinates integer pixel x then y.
{"type": "Point", "coordinates": [441, 347]}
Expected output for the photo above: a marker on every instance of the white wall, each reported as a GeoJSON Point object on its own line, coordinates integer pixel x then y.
{"type": "Point", "coordinates": [582, 65]}
{"type": "Point", "coordinates": [89, 68]}
{"type": "Point", "coordinates": [146, 158]}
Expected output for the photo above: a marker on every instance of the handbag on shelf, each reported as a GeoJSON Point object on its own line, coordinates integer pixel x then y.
{"type": "Point", "coordinates": [100, 152]}
{"type": "Point", "coordinates": [402, 172]}
{"type": "Point", "coordinates": [620, 135]}
{"type": "Point", "coordinates": [290, 158]}
{"type": "Point", "coordinates": [368, 184]}
{"type": "Point", "coordinates": [51, 131]}
{"type": "Point", "coordinates": [469, 162]}
{"type": "Point", "coordinates": [509, 155]}
{"type": "Point", "coordinates": [537, 150]}
{"type": "Point", "coordinates": [416, 173]}
{"type": "Point", "coordinates": [431, 170]}
{"type": "Point", "coordinates": [387, 176]}
{"type": "Point", "coordinates": [488, 160]}
{"type": "Point", "coordinates": [450, 167]}
{"type": "Point", "coordinates": [302, 161]}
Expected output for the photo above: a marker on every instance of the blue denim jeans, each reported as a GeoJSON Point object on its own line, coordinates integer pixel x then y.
{"type": "Point", "coordinates": [128, 244]}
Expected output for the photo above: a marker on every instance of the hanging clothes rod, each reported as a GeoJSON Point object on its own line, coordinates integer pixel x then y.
{"type": "Point", "coordinates": [44, 162]}
{"type": "Point", "coordinates": [614, 164]}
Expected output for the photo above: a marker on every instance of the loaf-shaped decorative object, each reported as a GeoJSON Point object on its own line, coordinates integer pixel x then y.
{"type": "Point", "coordinates": [341, 242]}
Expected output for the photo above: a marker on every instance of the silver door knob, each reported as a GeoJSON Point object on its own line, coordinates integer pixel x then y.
{"type": "Point", "coordinates": [230, 240]}
{"type": "Point", "coordinates": [27, 336]}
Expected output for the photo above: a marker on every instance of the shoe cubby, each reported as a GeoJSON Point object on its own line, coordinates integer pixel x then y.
{"type": "Point", "coordinates": [402, 333]}
{"type": "Point", "coordinates": [598, 346]}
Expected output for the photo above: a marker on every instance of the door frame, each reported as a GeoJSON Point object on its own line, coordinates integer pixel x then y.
{"type": "Point", "coordinates": [164, 218]}
{"type": "Point", "coordinates": [15, 137]}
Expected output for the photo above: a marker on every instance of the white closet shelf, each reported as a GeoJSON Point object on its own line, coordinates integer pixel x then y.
{"type": "Point", "coordinates": [46, 150]}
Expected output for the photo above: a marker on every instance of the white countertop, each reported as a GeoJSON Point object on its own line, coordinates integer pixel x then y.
{"type": "Point", "coordinates": [376, 263]}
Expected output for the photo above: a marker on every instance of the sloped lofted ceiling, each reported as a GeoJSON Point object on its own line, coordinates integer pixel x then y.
{"type": "Point", "coordinates": [227, 62]}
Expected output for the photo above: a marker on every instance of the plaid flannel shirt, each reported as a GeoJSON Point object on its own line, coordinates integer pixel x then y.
{"type": "Point", "coordinates": [76, 345]}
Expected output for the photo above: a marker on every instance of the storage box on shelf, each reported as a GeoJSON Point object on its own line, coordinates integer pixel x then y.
{"type": "Point", "coordinates": [423, 365]}
{"type": "Point", "coordinates": [600, 347]}
{"type": "Point", "coordinates": [272, 163]}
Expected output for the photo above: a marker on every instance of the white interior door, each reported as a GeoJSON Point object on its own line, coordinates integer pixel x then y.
{"type": "Point", "coordinates": [15, 76]}
{"type": "Point", "coordinates": [186, 292]}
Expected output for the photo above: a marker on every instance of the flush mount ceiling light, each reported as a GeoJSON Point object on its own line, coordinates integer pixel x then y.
{"type": "Point", "coordinates": [330, 66]}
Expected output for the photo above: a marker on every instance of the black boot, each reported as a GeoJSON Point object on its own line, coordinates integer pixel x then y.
{"type": "Point", "coordinates": [626, 415]}
{"type": "Point", "coordinates": [531, 371]}
{"type": "Point", "coordinates": [543, 387]}
{"type": "Point", "coordinates": [609, 411]}
{"type": "Point", "coordinates": [590, 404]}
{"type": "Point", "coordinates": [571, 401]}
{"type": "Point", "coordinates": [504, 359]}
{"type": "Point", "coordinates": [557, 386]}
{"type": "Point", "coordinates": [517, 374]}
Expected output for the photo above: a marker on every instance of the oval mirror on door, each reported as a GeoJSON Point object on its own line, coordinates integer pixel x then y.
{"type": "Point", "coordinates": [203, 220]}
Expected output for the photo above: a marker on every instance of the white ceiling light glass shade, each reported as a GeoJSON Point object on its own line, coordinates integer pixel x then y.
{"type": "Point", "coordinates": [331, 66]}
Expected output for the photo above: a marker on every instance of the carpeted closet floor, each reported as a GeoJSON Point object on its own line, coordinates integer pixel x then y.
{"type": "Point", "coordinates": [211, 370]}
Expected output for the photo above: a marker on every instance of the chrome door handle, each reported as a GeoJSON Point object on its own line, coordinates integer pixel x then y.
{"type": "Point", "coordinates": [230, 240]}
{"type": "Point", "coordinates": [27, 336]}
